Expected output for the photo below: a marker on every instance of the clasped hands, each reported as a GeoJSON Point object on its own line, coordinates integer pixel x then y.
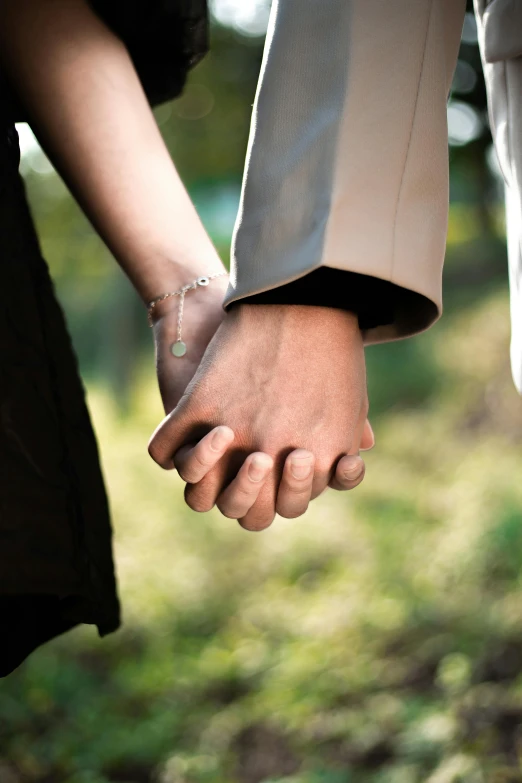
{"type": "Point", "coordinates": [275, 412]}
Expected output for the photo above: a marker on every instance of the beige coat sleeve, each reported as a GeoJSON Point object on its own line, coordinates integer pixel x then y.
{"type": "Point", "coordinates": [347, 162]}
{"type": "Point", "coordinates": [500, 38]}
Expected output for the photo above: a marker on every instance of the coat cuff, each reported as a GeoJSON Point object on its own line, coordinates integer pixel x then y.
{"type": "Point", "coordinates": [385, 310]}
{"type": "Point", "coordinates": [347, 162]}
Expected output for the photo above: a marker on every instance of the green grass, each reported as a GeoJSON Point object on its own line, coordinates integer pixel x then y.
{"type": "Point", "coordinates": [377, 639]}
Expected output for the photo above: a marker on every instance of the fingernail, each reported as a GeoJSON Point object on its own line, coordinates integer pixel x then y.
{"type": "Point", "coordinates": [301, 468]}
{"type": "Point", "coordinates": [258, 469]}
{"type": "Point", "coordinates": [220, 439]}
{"type": "Point", "coordinates": [354, 470]}
{"type": "Point", "coordinates": [373, 437]}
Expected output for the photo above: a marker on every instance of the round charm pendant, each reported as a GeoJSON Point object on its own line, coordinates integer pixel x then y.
{"type": "Point", "coordinates": [178, 348]}
{"type": "Point", "coordinates": [203, 281]}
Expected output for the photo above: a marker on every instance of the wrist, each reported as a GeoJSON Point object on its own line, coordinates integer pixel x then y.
{"type": "Point", "coordinates": [200, 304]}
{"type": "Point", "coordinates": [293, 330]}
{"type": "Point", "coordinates": [159, 276]}
{"type": "Point", "coordinates": [295, 315]}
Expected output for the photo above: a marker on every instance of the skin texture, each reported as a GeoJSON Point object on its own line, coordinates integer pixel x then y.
{"type": "Point", "coordinates": [287, 381]}
{"type": "Point", "coordinates": [272, 377]}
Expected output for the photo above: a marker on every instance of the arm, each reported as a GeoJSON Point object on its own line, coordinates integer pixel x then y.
{"type": "Point", "coordinates": [89, 110]}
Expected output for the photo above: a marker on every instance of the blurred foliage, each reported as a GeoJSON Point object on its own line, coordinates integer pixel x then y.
{"type": "Point", "coordinates": [376, 640]}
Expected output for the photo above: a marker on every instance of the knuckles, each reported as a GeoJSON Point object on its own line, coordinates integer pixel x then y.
{"type": "Point", "coordinates": [286, 514]}
{"type": "Point", "coordinates": [154, 451]}
{"type": "Point", "coordinates": [160, 455]}
{"type": "Point", "coordinates": [296, 489]}
{"type": "Point", "coordinates": [186, 476]}
{"type": "Point", "coordinates": [229, 512]}
{"type": "Point", "coordinates": [255, 526]}
{"type": "Point", "coordinates": [196, 502]}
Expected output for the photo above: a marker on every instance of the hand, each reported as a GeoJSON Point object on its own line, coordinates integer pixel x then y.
{"type": "Point", "coordinates": [203, 313]}
{"type": "Point", "coordinates": [194, 462]}
{"type": "Point", "coordinates": [280, 378]}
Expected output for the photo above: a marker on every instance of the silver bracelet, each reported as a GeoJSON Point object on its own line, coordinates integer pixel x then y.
{"type": "Point", "coordinates": [179, 348]}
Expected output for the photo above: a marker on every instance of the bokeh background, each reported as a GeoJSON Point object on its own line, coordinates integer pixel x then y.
{"type": "Point", "coordinates": [377, 639]}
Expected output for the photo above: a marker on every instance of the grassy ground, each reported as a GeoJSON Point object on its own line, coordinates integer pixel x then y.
{"type": "Point", "coordinates": [377, 639]}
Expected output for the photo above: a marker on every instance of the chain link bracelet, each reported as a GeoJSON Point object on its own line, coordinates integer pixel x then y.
{"type": "Point", "coordinates": [179, 348]}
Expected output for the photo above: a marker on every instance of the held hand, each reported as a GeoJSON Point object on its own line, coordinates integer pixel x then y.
{"type": "Point", "coordinates": [194, 462]}
{"type": "Point", "coordinates": [202, 315]}
{"type": "Point", "coordinates": [281, 382]}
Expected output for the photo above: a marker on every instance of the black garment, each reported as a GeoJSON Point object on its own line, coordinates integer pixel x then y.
{"type": "Point", "coordinates": [372, 299]}
{"type": "Point", "coordinates": [165, 38]}
{"type": "Point", "coordinates": [56, 567]}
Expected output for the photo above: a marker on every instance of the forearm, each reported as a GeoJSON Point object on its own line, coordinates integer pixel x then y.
{"type": "Point", "coordinates": [87, 106]}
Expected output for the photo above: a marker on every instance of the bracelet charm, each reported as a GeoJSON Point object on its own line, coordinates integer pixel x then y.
{"type": "Point", "coordinates": [179, 348]}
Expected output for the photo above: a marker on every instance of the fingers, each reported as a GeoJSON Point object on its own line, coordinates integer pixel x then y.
{"type": "Point", "coordinates": [349, 472]}
{"type": "Point", "coordinates": [367, 438]}
{"type": "Point", "coordinates": [246, 498]}
{"type": "Point", "coordinates": [168, 437]}
{"type": "Point", "coordinates": [290, 499]}
{"type": "Point", "coordinates": [295, 488]}
{"type": "Point", "coordinates": [202, 496]}
{"type": "Point", "coordinates": [262, 513]}
{"type": "Point", "coordinates": [194, 462]}
{"type": "Point", "coordinates": [350, 469]}
{"type": "Point", "coordinates": [241, 494]}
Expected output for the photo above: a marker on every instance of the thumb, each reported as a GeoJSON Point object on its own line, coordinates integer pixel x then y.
{"type": "Point", "coordinates": [170, 434]}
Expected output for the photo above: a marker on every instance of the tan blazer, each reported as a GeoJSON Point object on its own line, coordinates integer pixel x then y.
{"type": "Point", "coordinates": [347, 162]}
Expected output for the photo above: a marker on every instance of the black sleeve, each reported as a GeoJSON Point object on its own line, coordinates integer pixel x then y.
{"type": "Point", "coordinates": [372, 299]}
{"type": "Point", "coordinates": [165, 39]}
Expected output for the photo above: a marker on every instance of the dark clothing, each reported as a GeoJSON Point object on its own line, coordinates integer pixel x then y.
{"type": "Point", "coordinates": [165, 38]}
{"type": "Point", "coordinates": [56, 567]}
